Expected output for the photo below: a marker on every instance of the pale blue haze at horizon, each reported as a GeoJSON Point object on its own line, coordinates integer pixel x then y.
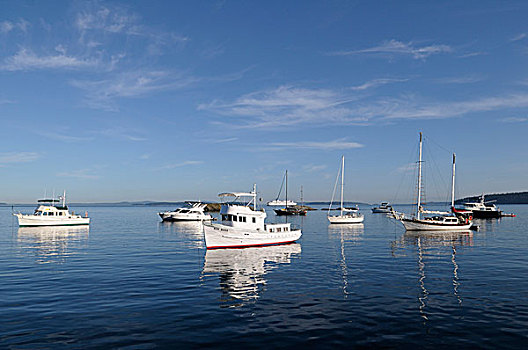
{"type": "Point", "coordinates": [182, 100]}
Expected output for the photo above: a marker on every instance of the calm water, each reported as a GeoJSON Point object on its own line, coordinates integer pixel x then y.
{"type": "Point", "coordinates": [133, 282]}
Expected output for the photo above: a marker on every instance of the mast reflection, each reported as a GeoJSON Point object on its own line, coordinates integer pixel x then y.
{"type": "Point", "coordinates": [434, 243]}
{"type": "Point", "coordinates": [242, 271]}
{"type": "Point", "coordinates": [53, 244]}
{"type": "Point", "coordinates": [345, 233]}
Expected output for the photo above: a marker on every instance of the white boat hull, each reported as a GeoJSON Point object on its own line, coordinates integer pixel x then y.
{"type": "Point", "coordinates": [170, 216]}
{"type": "Point", "coordinates": [222, 236]}
{"type": "Point", "coordinates": [423, 225]}
{"type": "Point", "coordinates": [346, 219]}
{"type": "Point", "coordinates": [38, 220]}
{"type": "Point", "coordinates": [281, 203]}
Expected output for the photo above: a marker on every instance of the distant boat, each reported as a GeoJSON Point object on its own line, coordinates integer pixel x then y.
{"type": "Point", "coordinates": [52, 212]}
{"type": "Point", "coordinates": [443, 221]}
{"type": "Point", "coordinates": [352, 216]}
{"type": "Point", "coordinates": [243, 225]}
{"type": "Point", "coordinates": [288, 208]}
{"type": "Point", "coordinates": [279, 202]}
{"type": "Point", "coordinates": [484, 209]}
{"type": "Point", "coordinates": [384, 207]}
{"type": "Point", "coordinates": [194, 211]}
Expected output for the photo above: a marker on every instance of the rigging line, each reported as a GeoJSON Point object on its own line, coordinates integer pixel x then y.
{"type": "Point", "coordinates": [282, 184]}
{"type": "Point", "coordinates": [333, 193]}
{"type": "Point", "coordinates": [433, 175]}
{"type": "Point", "coordinates": [404, 172]}
{"type": "Point", "coordinates": [437, 144]}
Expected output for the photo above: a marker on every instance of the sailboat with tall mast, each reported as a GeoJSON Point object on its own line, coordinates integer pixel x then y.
{"type": "Point", "coordinates": [345, 216]}
{"type": "Point", "coordinates": [279, 202]}
{"type": "Point", "coordinates": [291, 209]}
{"type": "Point", "coordinates": [443, 221]}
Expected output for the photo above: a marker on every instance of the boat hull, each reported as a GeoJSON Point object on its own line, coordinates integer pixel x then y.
{"type": "Point", "coordinates": [35, 220]}
{"type": "Point", "coordinates": [378, 210]}
{"type": "Point", "coordinates": [222, 236]}
{"type": "Point", "coordinates": [346, 219]}
{"type": "Point", "coordinates": [184, 217]}
{"type": "Point", "coordinates": [423, 225]}
{"type": "Point", "coordinates": [486, 214]}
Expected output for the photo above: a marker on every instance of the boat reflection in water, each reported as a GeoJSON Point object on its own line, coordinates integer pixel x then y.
{"type": "Point", "coordinates": [53, 244]}
{"type": "Point", "coordinates": [432, 246]}
{"type": "Point", "coordinates": [345, 233]}
{"type": "Point", "coordinates": [242, 271]}
{"type": "Point", "coordinates": [191, 231]}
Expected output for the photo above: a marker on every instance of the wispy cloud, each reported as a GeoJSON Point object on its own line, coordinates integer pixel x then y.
{"type": "Point", "coordinates": [63, 136]}
{"type": "Point", "coordinates": [468, 79]}
{"type": "Point", "coordinates": [102, 94]}
{"type": "Point", "coordinates": [18, 157]}
{"type": "Point", "coordinates": [226, 140]}
{"type": "Point", "coordinates": [415, 109]}
{"type": "Point", "coordinates": [311, 168]}
{"type": "Point", "coordinates": [26, 60]}
{"type": "Point", "coordinates": [181, 164]}
{"type": "Point", "coordinates": [407, 168]}
{"type": "Point", "coordinates": [122, 133]}
{"type": "Point", "coordinates": [473, 54]}
{"type": "Point", "coordinates": [375, 83]}
{"type": "Point", "coordinates": [8, 26]}
{"type": "Point", "coordinates": [395, 47]}
{"type": "Point", "coordinates": [518, 37]}
{"type": "Point", "coordinates": [515, 120]}
{"type": "Point", "coordinates": [286, 105]}
{"type": "Point", "coordinates": [289, 106]}
{"type": "Point", "coordinates": [113, 20]}
{"type": "Point", "coordinates": [322, 145]}
{"type": "Point", "coordinates": [86, 174]}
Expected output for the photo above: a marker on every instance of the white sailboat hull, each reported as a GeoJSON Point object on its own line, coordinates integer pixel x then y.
{"type": "Point", "coordinates": [429, 225]}
{"type": "Point", "coordinates": [346, 219]}
{"type": "Point", "coordinates": [38, 220]}
{"type": "Point", "coordinates": [223, 236]}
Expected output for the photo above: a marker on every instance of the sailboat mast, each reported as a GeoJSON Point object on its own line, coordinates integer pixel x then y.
{"type": "Point", "coordinates": [453, 184]}
{"type": "Point", "coordinates": [418, 204]}
{"type": "Point", "coordinates": [286, 188]}
{"type": "Point", "coordinates": [342, 181]}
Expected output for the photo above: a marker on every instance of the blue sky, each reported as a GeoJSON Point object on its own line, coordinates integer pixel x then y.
{"type": "Point", "coordinates": [179, 100]}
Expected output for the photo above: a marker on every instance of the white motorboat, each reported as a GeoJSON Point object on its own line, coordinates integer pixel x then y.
{"type": "Point", "coordinates": [346, 216]}
{"type": "Point", "coordinates": [443, 221]}
{"type": "Point", "coordinates": [483, 209]}
{"type": "Point", "coordinates": [194, 211]}
{"type": "Point", "coordinates": [280, 202]}
{"type": "Point", "coordinates": [243, 225]}
{"type": "Point", "coordinates": [384, 207]}
{"type": "Point", "coordinates": [52, 212]}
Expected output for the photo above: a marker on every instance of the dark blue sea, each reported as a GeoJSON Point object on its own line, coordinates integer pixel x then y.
{"type": "Point", "coordinates": [132, 282]}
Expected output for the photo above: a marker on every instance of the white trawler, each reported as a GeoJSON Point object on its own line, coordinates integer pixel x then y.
{"type": "Point", "coordinates": [243, 225]}
{"type": "Point", "coordinates": [52, 212]}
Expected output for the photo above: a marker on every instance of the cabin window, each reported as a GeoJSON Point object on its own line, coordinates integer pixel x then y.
{"type": "Point", "coordinates": [61, 214]}
{"type": "Point", "coordinates": [279, 229]}
{"type": "Point", "coordinates": [253, 220]}
{"type": "Point", "coordinates": [234, 218]}
{"type": "Point", "coordinates": [271, 230]}
{"type": "Point", "coordinates": [224, 217]}
{"type": "Point", "coordinates": [243, 218]}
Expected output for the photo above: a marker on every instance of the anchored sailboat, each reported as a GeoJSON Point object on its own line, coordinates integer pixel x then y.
{"type": "Point", "coordinates": [443, 221]}
{"type": "Point", "coordinates": [350, 217]}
